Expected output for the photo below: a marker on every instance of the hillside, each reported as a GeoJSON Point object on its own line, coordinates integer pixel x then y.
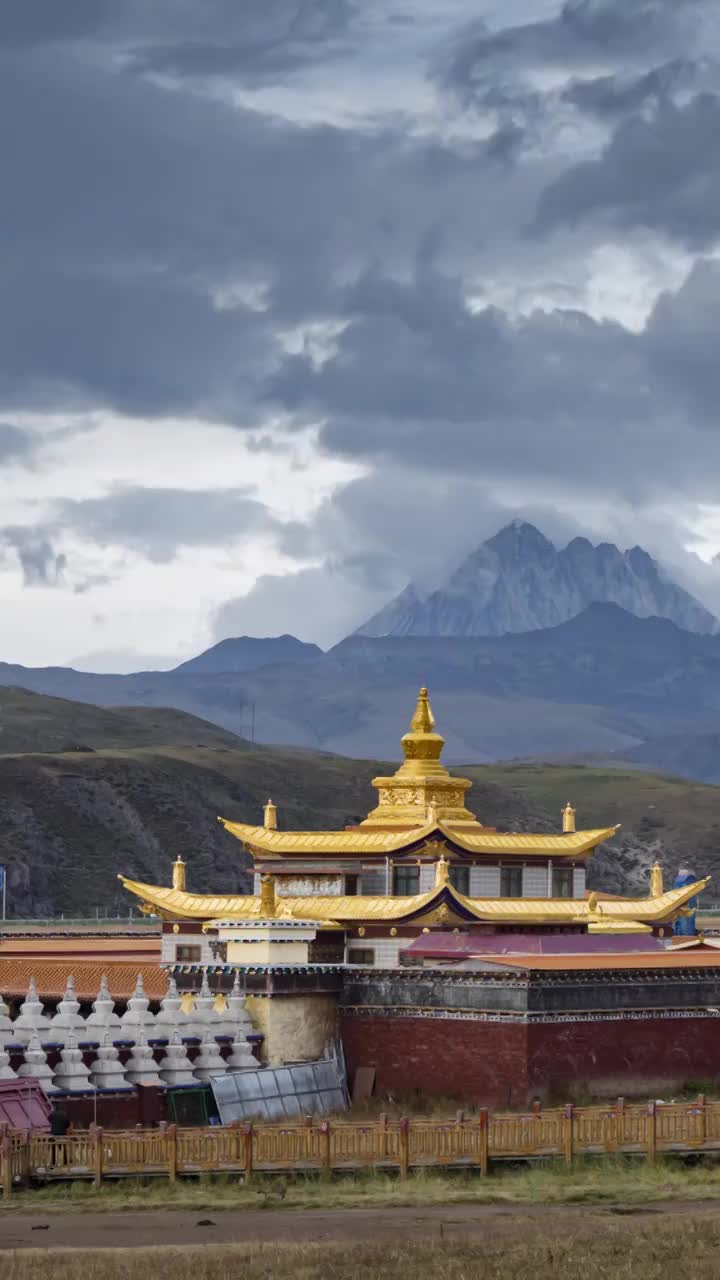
{"type": "Point", "coordinates": [247, 653]}
{"type": "Point", "coordinates": [35, 722]}
{"type": "Point", "coordinates": [72, 820]}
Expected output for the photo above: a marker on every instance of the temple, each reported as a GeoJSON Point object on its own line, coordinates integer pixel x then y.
{"type": "Point", "coordinates": [450, 957]}
{"type": "Point", "coordinates": [421, 862]}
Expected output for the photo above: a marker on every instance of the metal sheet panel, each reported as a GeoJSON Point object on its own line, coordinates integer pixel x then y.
{"type": "Point", "coordinates": [278, 1093]}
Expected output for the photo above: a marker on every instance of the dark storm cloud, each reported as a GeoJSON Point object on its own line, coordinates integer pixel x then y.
{"type": "Point", "coordinates": [42, 565]}
{"type": "Point", "coordinates": [256, 39]}
{"type": "Point", "coordinates": [130, 207]}
{"type": "Point", "coordinates": [662, 173]}
{"type": "Point", "coordinates": [581, 34]}
{"type": "Point", "coordinates": [157, 522]}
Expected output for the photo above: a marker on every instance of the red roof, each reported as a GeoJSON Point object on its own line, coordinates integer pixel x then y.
{"type": "Point", "coordinates": [51, 977]}
{"type": "Point", "coordinates": [695, 959]}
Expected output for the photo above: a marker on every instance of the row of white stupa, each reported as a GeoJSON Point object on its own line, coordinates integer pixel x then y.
{"type": "Point", "coordinates": [203, 1020]}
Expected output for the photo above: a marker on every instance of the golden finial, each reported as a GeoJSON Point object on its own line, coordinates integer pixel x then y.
{"type": "Point", "coordinates": [179, 875]}
{"type": "Point", "coordinates": [656, 881]}
{"type": "Point", "coordinates": [432, 813]}
{"type": "Point", "coordinates": [421, 743]}
{"type": "Point", "coordinates": [268, 899]}
{"type": "Point", "coordinates": [568, 819]}
{"type": "Point", "coordinates": [423, 720]}
{"type": "Point", "coordinates": [270, 816]}
{"type": "Point", "coordinates": [442, 872]}
{"type": "Point", "coordinates": [592, 903]}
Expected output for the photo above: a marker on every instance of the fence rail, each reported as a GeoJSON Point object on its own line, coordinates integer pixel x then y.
{"type": "Point", "coordinates": [473, 1142]}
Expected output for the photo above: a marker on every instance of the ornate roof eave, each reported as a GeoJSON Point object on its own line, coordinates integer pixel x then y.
{"type": "Point", "coordinates": [267, 843]}
{"type": "Point", "coordinates": [176, 904]}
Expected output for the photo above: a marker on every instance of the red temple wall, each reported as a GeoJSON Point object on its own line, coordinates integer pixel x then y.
{"type": "Point", "coordinates": [624, 1056]}
{"type": "Point", "coordinates": [460, 1058]}
{"type": "Point", "coordinates": [501, 1064]}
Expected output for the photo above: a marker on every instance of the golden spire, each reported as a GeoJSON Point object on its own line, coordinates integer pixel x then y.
{"type": "Point", "coordinates": [568, 819]}
{"type": "Point", "coordinates": [656, 881]}
{"type": "Point", "coordinates": [268, 899]}
{"type": "Point", "coordinates": [442, 872]}
{"type": "Point", "coordinates": [179, 875]}
{"type": "Point", "coordinates": [270, 816]}
{"type": "Point", "coordinates": [421, 746]}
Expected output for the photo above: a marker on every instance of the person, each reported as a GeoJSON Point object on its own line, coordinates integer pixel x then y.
{"type": "Point", "coordinates": [58, 1121]}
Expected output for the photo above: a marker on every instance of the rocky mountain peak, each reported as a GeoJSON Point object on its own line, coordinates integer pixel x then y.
{"type": "Point", "coordinates": [519, 581]}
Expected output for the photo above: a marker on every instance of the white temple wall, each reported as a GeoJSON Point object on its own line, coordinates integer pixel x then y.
{"type": "Point", "coordinates": [171, 942]}
{"type": "Point", "coordinates": [484, 882]}
{"type": "Point", "coordinates": [385, 950]}
{"type": "Point", "coordinates": [535, 882]}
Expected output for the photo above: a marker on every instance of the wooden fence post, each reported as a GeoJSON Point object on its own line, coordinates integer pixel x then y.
{"type": "Point", "coordinates": [248, 1151]}
{"type": "Point", "coordinates": [484, 1140]}
{"type": "Point", "coordinates": [97, 1135]}
{"type": "Point", "coordinates": [703, 1118]}
{"type": "Point", "coordinates": [404, 1148]}
{"type": "Point", "coordinates": [568, 1122]}
{"type": "Point", "coordinates": [651, 1131]}
{"type": "Point", "coordinates": [171, 1149]}
{"type": "Point", "coordinates": [5, 1165]}
{"type": "Point", "coordinates": [325, 1130]}
{"type": "Point", "coordinates": [383, 1122]}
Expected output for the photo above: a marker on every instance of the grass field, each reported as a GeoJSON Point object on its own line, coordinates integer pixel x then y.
{"type": "Point", "coordinates": [611, 1251]}
{"type": "Point", "coordinates": [596, 1181]}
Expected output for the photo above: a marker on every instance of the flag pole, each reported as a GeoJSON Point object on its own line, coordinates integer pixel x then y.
{"type": "Point", "coordinates": [4, 876]}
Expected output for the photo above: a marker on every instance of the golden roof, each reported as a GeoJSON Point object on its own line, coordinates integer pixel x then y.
{"type": "Point", "coordinates": [441, 904]}
{"type": "Point", "coordinates": [472, 838]}
{"type": "Point", "coordinates": [421, 799]}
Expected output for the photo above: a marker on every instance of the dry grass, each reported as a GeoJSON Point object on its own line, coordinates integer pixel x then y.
{"type": "Point", "coordinates": [598, 1181]}
{"type": "Point", "coordinates": [617, 1251]}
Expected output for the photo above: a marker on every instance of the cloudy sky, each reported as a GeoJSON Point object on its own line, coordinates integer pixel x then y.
{"type": "Point", "coordinates": [302, 298]}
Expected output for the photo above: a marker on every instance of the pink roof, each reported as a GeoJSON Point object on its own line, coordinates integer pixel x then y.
{"type": "Point", "coordinates": [455, 946]}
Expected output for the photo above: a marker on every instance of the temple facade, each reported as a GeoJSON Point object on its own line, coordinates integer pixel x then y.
{"type": "Point", "coordinates": [420, 863]}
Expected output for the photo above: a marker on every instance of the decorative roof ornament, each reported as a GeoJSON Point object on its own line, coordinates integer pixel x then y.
{"type": "Point", "coordinates": [270, 816]}
{"type": "Point", "coordinates": [268, 897]}
{"type": "Point", "coordinates": [656, 881]}
{"type": "Point", "coordinates": [568, 819]}
{"type": "Point", "coordinates": [442, 872]}
{"type": "Point", "coordinates": [178, 875]}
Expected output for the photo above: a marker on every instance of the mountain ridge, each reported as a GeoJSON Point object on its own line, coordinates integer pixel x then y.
{"type": "Point", "coordinates": [517, 581]}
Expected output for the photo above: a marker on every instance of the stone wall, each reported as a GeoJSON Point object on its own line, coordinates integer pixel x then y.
{"type": "Point", "coordinates": [295, 1028]}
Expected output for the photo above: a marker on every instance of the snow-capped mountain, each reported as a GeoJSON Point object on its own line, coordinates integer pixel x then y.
{"type": "Point", "coordinates": [518, 581]}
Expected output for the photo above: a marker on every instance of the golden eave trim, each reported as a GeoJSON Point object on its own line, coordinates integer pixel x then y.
{"type": "Point", "coordinates": [177, 904]}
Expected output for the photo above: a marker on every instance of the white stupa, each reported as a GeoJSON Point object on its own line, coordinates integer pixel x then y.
{"type": "Point", "coordinates": [68, 1016]}
{"type": "Point", "coordinates": [140, 1067]}
{"type": "Point", "coordinates": [6, 1071]}
{"type": "Point", "coordinates": [137, 1016]}
{"type": "Point", "coordinates": [35, 1065]}
{"type": "Point", "coordinates": [242, 1055]}
{"type": "Point", "coordinates": [204, 1019]}
{"type": "Point", "coordinates": [103, 1017]}
{"type": "Point", "coordinates": [176, 1068]}
{"type": "Point", "coordinates": [107, 1071]}
{"type": "Point", "coordinates": [209, 1061]}
{"type": "Point", "coordinates": [236, 1017]}
{"type": "Point", "coordinates": [71, 1074]}
{"type": "Point", "coordinates": [7, 1026]}
{"type": "Point", "coordinates": [31, 1019]}
{"type": "Point", "coordinates": [169, 1017]}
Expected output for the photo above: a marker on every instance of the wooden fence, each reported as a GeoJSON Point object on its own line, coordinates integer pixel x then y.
{"type": "Point", "coordinates": [472, 1142]}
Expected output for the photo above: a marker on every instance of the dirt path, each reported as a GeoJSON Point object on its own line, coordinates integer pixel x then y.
{"type": "Point", "coordinates": [179, 1227]}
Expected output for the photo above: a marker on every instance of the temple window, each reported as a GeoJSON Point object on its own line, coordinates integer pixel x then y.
{"type": "Point", "coordinates": [460, 879]}
{"type": "Point", "coordinates": [406, 881]}
{"type": "Point", "coordinates": [562, 882]}
{"type": "Point", "coordinates": [187, 955]}
{"type": "Point", "coordinates": [351, 885]}
{"type": "Point", "coordinates": [511, 881]}
{"type": "Point", "coordinates": [361, 955]}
